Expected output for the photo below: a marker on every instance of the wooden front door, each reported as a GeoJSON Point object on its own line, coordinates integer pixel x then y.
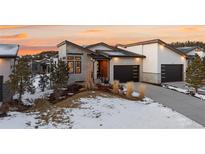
{"type": "Point", "coordinates": [103, 68]}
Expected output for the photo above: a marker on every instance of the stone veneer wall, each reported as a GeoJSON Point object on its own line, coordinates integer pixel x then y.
{"type": "Point", "coordinates": [152, 77]}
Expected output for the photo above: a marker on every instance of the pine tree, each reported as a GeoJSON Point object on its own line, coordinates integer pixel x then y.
{"type": "Point", "coordinates": [43, 82]}
{"type": "Point", "coordinates": [195, 73]}
{"type": "Point", "coordinates": [59, 75]}
{"type": "Point", "coordinates": [203, 62]}
{"type": "Point", "coordinates": [20, 78]}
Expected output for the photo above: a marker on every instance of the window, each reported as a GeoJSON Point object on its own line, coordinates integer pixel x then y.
{"type": "Point", "coordinates": [70, 58]}
{"type": "Point", "coordinates": [77, 58]}
{"type": "Point", "coordinates": [71, 66]}
{"type": "Point", "coordinates": [74, 64]}
{"type": "Point", "coordinates": [78, 67]}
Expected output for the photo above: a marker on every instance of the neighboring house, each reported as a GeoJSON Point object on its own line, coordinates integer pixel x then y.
{"type": "Point", "coordinates": [8, 55]}
{"type": "Point", "coordinates": [44, 65]}
{"type": "Point", "coordinates": [151, 61]}
{"type": "Point", "coordinates": [191, 51]}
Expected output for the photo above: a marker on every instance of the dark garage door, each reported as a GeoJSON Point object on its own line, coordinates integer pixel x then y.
{"type": "Point", "coordinates": [1, 88]}
{"type": "Point", "coordinates": [125, 73]}
{"type": "Point", "coordinates": [171, 72]}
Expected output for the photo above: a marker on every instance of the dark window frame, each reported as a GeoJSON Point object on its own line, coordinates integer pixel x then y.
{"type": "Point", "coordinates": [76, 59]}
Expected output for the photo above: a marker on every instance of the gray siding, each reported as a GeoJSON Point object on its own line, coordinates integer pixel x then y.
{"type": "Point", "coordinates": [85, 62]}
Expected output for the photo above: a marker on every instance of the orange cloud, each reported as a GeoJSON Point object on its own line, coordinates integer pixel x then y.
{"type": "Point", "coordinates": [93, 31]}
{"type": "Point", "coordinates": [5, 27]}
{"type": "Point", "coordinates": [189, 29]}
{"type": "Point", "coordinates": [31, 50]}
{"type": "Point", "coordinates": [8, 27]}
{"type": "Point", "coordinates": [16, 36]}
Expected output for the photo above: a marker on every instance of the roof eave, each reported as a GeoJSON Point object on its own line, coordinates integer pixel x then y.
{"type": "Point", "coordinates": [8, 56]}
{"type": "Point", "coordinates": [126, 56]}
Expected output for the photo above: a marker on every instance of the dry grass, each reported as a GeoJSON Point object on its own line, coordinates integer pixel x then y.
{"type": "Point", "coordinates": [115, 86]}
{"type": "Point", "coordinates": [130, 89]}
{"type": "Point", "coordinates": [41, 105]}
{"type": "Point", "coordinates": [89, 82]}
{"type": "Point", "coordinates": [54, 117]}
{"type": "Point", "coordinates": [142, 91]}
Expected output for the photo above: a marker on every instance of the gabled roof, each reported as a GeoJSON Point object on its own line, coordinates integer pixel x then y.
{"type": "Point", "coordinates": [154, 41]}
{"type": "Point", "coordinates": [188, 49]}
{"type": "Point", "coordinates": [100, 54]}
{"type": "Point", "coordinates": [9, 50]}
{"type": "Point", "coordinates": [100, 43]}
{"type": "Point", "coordinates": [73, 44]}
{"type": "Point", "coordinates": [114, 51]}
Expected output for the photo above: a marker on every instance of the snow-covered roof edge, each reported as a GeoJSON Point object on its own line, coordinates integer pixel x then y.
{"type": "Point", "coordinates": [13, 51]}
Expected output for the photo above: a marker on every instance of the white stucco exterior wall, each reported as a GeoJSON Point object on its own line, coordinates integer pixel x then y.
{"type": "Point", "coordinates": [6, 66]}
{"type": "Point", "coordinates": [62, 51]}
{"type": "Point", "coordinates": [151, 53]}
{"type": "Point", "coordinates": [124, 61]}
{"type": "Point", "coordinates": [135, 49]}
{"type": "Point", "coordinates": [167, 56]}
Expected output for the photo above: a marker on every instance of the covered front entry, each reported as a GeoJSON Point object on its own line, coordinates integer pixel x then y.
{"type": "Point", "coordinates": [171, 72]}
{"type": "Point", "coordinates": [1, 88]}
{"type": "Point", "coordinates": [125, 73]}
{"type": "Point", "coordinates": [103, 70]}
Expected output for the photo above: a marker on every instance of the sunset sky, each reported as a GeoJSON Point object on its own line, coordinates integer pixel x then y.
{"type": "Point", "coordinates": [34, 39]}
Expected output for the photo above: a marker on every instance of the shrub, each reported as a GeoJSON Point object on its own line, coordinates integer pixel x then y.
{"type": "Point", "coordinates": [4, 108]}
{"type": "Point", "coordinates": [41, 105]}
{"type": "Point", "coordinates": [130, 89]}
{"type": "Point", "coordinates": [115, 87]}
{"type": "Point", "coordinates": [141, 90]}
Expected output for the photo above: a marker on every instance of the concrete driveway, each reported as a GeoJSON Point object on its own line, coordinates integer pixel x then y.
{"type": "Point", "coordinates": [189, 106]}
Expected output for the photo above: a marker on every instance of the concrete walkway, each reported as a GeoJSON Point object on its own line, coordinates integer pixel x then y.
{"type": "Point", "coordinates": [189, 106]}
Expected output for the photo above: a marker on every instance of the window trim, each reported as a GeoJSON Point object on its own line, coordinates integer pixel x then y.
{"type": "Point", "coordinates": [75, 61]}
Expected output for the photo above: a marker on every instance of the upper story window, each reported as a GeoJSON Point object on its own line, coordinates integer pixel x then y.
{"type": "Point", "coordinates": [74, 64]}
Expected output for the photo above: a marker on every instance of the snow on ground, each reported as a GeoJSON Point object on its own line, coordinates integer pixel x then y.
{"type": "Point", "coordinates": [185, 91]}
{"type": "Point", "coordinates": [106, 112]}
{"type": "Point", "coordinates": [28, 98]}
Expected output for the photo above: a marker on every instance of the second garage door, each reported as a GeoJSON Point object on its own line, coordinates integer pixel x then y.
{"type": "Point", "coordinates": [171, 72]}
{"type": "Point", "coordinates": [125, 73]}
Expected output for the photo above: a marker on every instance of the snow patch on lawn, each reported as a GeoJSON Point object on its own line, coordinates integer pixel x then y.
{"type": "Point", "coordinates": [107, 112]}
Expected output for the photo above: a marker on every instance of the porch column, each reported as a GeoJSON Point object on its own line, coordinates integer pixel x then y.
{"type": "Point", "coordinates": [95, 70]}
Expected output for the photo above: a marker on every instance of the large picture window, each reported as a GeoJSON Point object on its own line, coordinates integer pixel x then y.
{"type": "Point", "coordinates": [74, 64]}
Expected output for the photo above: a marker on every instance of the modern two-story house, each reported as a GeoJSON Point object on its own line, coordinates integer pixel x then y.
{"type": "Point", "coordinates": [8, 55]}
{"type": "Point", "coordinates": [151, 61]}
